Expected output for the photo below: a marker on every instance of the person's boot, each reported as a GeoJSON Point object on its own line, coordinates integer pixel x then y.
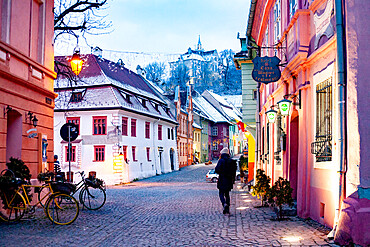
{"type": "Point", "coordinates": [226, 209]}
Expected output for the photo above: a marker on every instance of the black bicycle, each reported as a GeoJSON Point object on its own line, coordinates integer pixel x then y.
{"type": "Point", "coordinates": [92, 192]}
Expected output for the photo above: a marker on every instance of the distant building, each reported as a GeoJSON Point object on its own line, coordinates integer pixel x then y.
{"type": "Point", "coordinates": [117, 112]}
{"type": "Point", "coordinates": [26, 83]}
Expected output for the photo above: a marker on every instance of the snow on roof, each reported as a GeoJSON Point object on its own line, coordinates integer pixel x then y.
{"type": "Point", "coordinates": [193, 56]}
{"type": "Point", "coordinates": [213, 114]}
{"type": "Point", "coordinates": [197, 126]}
{"type": "Point", "coordinates": [235, 100]}
{"type": "Point", "coordinates": [219, 98]}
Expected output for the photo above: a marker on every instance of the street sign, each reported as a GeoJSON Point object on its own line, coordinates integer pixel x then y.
{"type": "Point", "coordinates": [266, 69]}
{"type": "Point", "coordinates": [69, 132]}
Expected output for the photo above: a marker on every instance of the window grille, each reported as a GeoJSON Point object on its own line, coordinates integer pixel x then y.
{"type": "Point", "coordinates": [76, 121]}
{"type": "Point", "coordinates": [99, 153]}
{"type": "Point", "coordinates": [100, 125]}
{"type": "Point", "coordinates": [322, 147]}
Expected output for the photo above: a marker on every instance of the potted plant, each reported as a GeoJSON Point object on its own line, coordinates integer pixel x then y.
{"type": "Point", "coordinates": [262, 186]}
{"type": "Point", "coordinates": [280, 194]}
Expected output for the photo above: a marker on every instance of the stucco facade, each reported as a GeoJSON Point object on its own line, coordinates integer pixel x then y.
{"type": "Point", "coordinates": [318, 146]}
{"type": "Point", "coordinates": [26, 83]}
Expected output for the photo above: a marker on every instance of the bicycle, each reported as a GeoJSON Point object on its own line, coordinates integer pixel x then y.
{"type": "Point", "coordinates": [92, 194]}
{"type": "Point", "coordinates": [60, 208]}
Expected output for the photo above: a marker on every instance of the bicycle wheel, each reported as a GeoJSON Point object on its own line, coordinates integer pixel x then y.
{"type": "Point", "coordinates": [92, 198]}
{"type": "Point", "coordinates": [14, 211]}
{"type": "Point", "coordinates": [41, 194]}
{"type": "Point", "coordinates": [62, 209]}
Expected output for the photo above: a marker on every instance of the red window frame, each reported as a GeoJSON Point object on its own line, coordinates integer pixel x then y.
{"type": "Point", "coordinates": [99, 125]}
{"type": "Point", "coordinates": [147, 130]}
{"type": "Point", "coordinates": [99, 153]}
{"type": "Point", "coordinates": [73, 154]}
{"type": "Point", "coordinates": [148, 153]}
{"type": "Point", "coordinates": [134, 153]}
{"type": "Point", "coordinates": [133, 127]}
{"type": "Point", "coordinates": [124, 126]}
{"type": "Point", "coordinates": [159, 132]}
{"type": "Point", "coordinates": [124, 151]}
{"type": "Point", "coordinates": [76, 121]}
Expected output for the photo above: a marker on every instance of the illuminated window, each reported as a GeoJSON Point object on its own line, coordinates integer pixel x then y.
{"type": "Point", "coordinates": [99, 153]}
{"type": "Point", "coordinates": [124, 126]}
{"type": "Point", "coordinates": [100, 125]}
{"type": "Point", "coordinates": [73, 154]}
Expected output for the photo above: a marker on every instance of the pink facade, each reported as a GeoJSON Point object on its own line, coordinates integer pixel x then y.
{"type": "Point", "coordinates": [303, 34]}
{"type": "Point", "coordinates": [26, 83]}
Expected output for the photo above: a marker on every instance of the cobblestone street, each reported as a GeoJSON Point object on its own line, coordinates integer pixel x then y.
{"type": "Point", "coordinates": [176, 209]}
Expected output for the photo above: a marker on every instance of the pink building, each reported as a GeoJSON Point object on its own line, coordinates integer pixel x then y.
{"type": "Point", "coordinates": [321, 145]}
{"type": "Point", "coordinates": [26, 83]}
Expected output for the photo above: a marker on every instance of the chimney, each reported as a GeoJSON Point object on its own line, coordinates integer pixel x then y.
{"type": "Point", "coordinates": [97, 51]}
{"type": "Point", "coordinates": [140, 71]}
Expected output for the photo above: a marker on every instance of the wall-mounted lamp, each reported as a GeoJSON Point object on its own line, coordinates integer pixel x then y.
{"type": "Point", "coordinates": [271, 115]}
{"type": "Point", "coordinates": [284, 106]}
{"type": "Point", "coordinates": [33, 119]}
{"type": "Point", "coordinates": [6, 110]}
{"type": "Point", "coordinates": [76, 62]}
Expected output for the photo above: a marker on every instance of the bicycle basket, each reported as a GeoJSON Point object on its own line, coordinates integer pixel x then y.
{"type": "Point", "coordinates": [65, 188]}
{"type": "Point", "coordinates": [95, 183]}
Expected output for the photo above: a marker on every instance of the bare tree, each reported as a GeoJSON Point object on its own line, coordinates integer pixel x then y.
{"type": "Point", "coordinates": [79, 17]}
{"type": "Point", "coordinates": [155, 72]}
{"type": "Point", "coordinates": [230, 77]}
{"type": "Point", "coordinates": [179, 76]}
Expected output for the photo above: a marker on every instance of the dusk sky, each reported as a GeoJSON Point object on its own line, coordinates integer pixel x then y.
{"type": "Point", "coordinates": [171, 26]}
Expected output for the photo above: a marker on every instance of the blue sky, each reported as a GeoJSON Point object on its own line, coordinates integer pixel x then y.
{"type": "Point", "coordinates": [171, 26]}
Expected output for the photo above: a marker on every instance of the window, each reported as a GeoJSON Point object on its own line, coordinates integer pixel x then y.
{"type": "Point", "coordinates": [148, 153]}
{"type": "Point", "coordinates": [254, 94]}
{"type": "Point", "coordinates": [277, 21]}
{"type": "Point", "coordinates": [100, 125]}
{"type": "Point", "coordinates": [76, 121]}
{"type": "Point", "coordinates": [172, 136]}
{"type": "Point", "coordinates": [159, 132]}
{"type": "Point", "coordinates": [73, 154]}
{"type": "Point", "coordinates": [147, 130]}
{"type": "Point", "coordinates": [76, 97]}
{"type": "Point", "coordinates": [322, 147]}
{"type": "Point", "coordinates": [99, 153]}
{"type": "Point", "coordinates": [134, 153]}
{"type": "Point", "coordinates": [5, 20]}
{"type": "Point", "coordinates": [41, 33]}
{"type": "Point", "coordinates": [214, 131]}
{"type": "Point", "coordinates": [215, 146]}
{"type": "Point", "coordinates": [124, 126]}
{"type": "Point", "coordinates": [124, 152]}
{"type": "Point", "coordinates": [293, 5]}
{"type": "Point", "coordinates": [133, 127]}
{"type": "Point", "coordinates": [168, 133]}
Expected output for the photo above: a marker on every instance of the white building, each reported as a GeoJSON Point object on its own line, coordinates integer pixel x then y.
{"type": "Point", "coordinates": [116, 112]}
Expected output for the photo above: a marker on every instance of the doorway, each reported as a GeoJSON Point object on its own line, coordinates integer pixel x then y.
{"type": "Point", "coordinates": [293, 164]}
{"type": "Point", "coordinates": [172, 161]}
{"type": "Point", "coordinates": [14, 135]}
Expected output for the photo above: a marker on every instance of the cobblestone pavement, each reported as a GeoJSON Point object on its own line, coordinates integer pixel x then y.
{"type": "Point", "coordinates": [174, 209]}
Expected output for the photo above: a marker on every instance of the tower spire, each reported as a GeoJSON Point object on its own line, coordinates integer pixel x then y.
{"type": "Point", "coordinates": [199, 45]}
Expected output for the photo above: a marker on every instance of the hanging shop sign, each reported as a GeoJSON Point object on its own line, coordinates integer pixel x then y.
{"type": "Point", "coordinates": [266, 69]}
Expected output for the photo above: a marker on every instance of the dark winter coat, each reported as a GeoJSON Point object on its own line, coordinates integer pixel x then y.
{"type": "Point", "coordinates": [226, 170]}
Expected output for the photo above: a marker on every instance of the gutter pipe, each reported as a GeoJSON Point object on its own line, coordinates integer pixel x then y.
{"type": "Point", "coordinates": [341, 56]}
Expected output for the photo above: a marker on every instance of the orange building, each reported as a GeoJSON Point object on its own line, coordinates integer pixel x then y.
{"type": "Point", "coordinates": [26, 83]}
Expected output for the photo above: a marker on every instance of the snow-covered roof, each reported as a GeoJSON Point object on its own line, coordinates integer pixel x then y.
{"type": "Point", "coordinates": [197, 126]}
{"type": "Point", "coordinates": [192, 56]}
{"type": "Point", "coordinates": [213, 114]}
{"type": "Point", "coordinates": [107, 85]}
{"type": "Point", "coordinates": [235, 100]}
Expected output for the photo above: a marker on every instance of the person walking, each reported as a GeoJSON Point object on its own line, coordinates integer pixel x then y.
{"type": "Point", "coordinates": [226, 169]}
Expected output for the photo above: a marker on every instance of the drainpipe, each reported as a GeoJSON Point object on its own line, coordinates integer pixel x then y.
{"type": "Point", "coordinates": [341, 56]}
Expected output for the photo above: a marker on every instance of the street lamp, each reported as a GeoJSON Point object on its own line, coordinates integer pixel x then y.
{"type": "Point", "coordinates": [271, 115]}
{"type": "Point", "coordinates": [76, 62]}
{"type": "Point", "coordinates": [284, 106]}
